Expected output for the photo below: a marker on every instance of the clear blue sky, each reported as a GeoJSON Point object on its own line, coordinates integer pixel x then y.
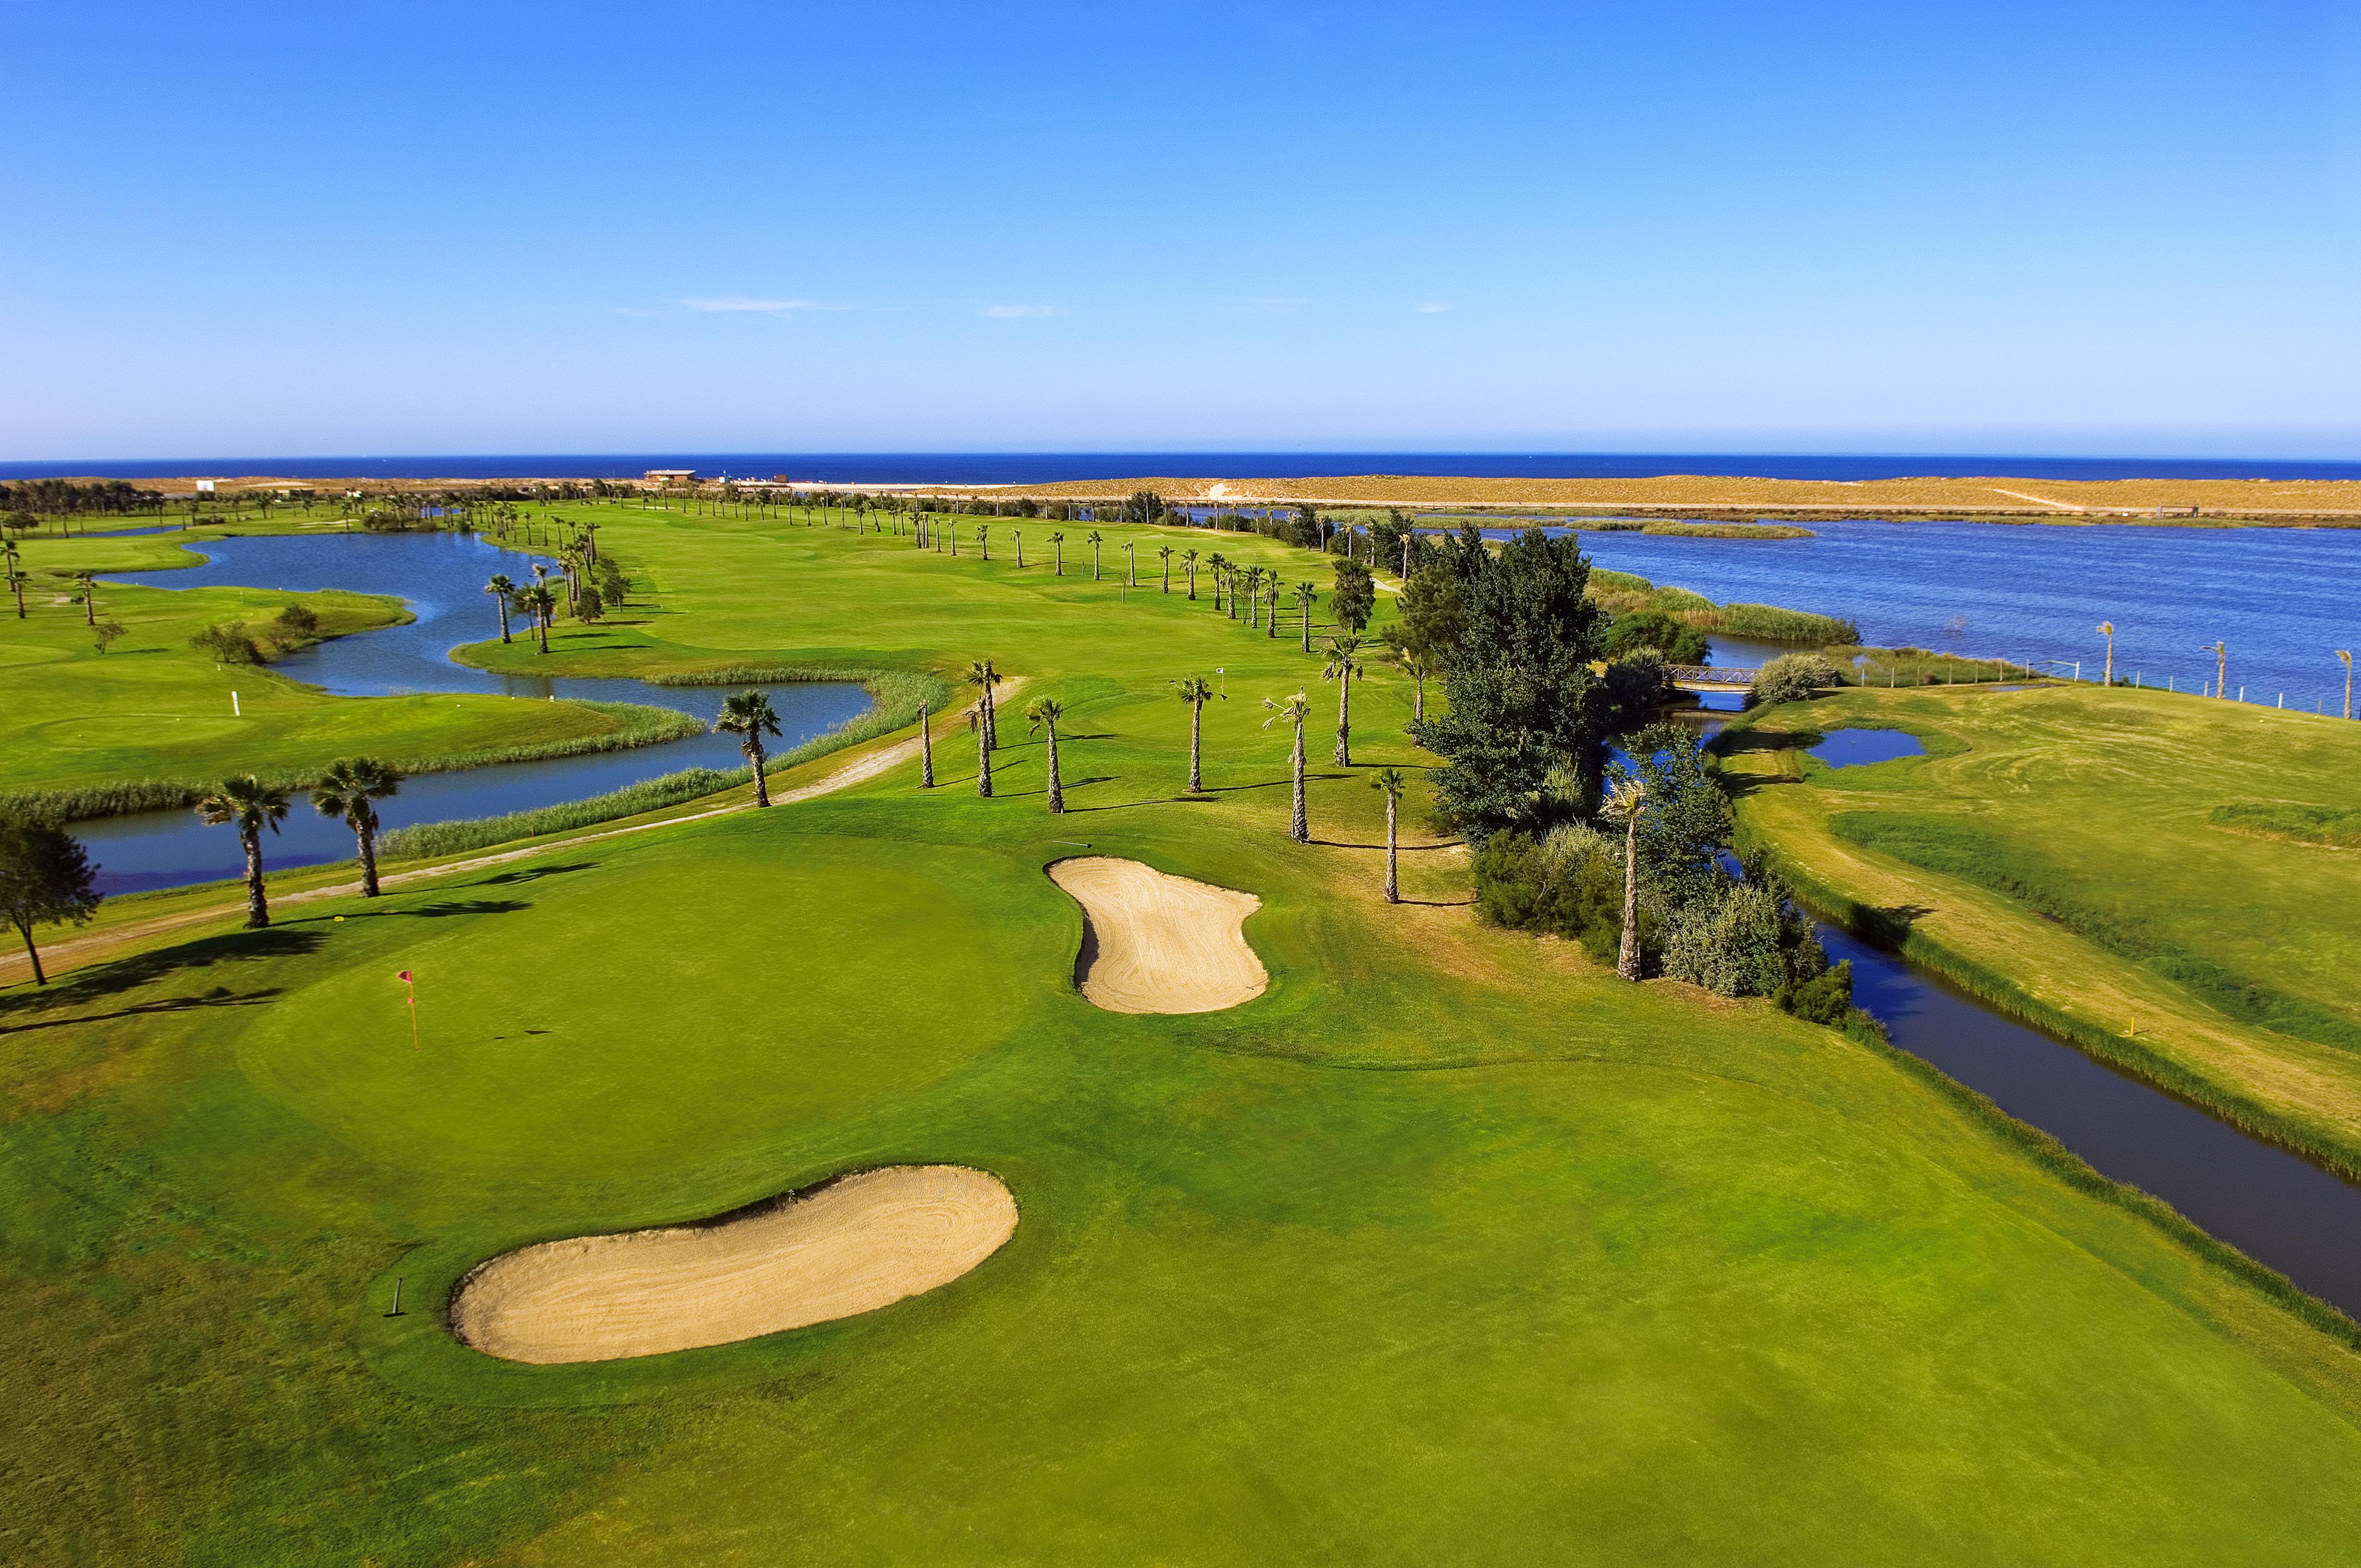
{"type": "Point", "coordinates": [2041, 229]}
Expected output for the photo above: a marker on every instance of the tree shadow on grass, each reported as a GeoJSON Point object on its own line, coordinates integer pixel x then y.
{"type": "Point", "coordinates": [443, 910]}
{"type": "Point", "coordinates": [219, 996]}
{"type": "Point", "coordinates": [119, 975]}
{"type": "Point", "coordinates": [1400, 849]}
{"type": "Point", "coordinates": [533, 874]}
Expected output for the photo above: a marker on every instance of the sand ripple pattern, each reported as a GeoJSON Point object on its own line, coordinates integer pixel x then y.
{"type": "Point", "coordinates": [852, 1246]}
{"type": "Point", "coordinates": [1154, 943]}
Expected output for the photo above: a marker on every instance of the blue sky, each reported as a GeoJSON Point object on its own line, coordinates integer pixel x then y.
{"type": "Point", "coordinates": [2038, 228]}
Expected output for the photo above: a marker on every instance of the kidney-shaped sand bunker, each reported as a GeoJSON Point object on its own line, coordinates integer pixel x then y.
{"type": "Point", "coordinates": [1154, 943]}
{"type": "Point", "coordinates": [851, 1246]}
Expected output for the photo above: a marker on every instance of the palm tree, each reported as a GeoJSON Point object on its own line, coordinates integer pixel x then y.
{"type": "Point", "coordinates": [1057, 547]}
{"type": "Point", "coordinates": [500, 588]}
{"type": "Point", "coordinates": [1254, 595]}
{"type": "Point", "coordinates": [1270, 589]}
{"type": "Point", "coordinates": [750, 714]}
{"type": "Point", "coordinates": [1131, 571]}
{"type": "Point", "coordinates": [2221, 651]}
{"type": "Point", "coordinates": [1196, 691]}
{"type": "Point", "coordinates": [1418, 667]}
{"type": "Point", "coordinates": [1045, 712]}
{"type": "Point", "coordinates": [981, 673]}
{"type": "Point", "coordinates": [9, 553]}
{"type": "Point", "coordinates": [1219, 564]}
{"type": "Point", "coordinates": [1294, 710]}
{"type": "Point", "coordinates": [1190, 561]}
{"type": "Point", "coordinates": [926, 748]}
{"type": "Point", "coordinates": [542, 606]}
{"type": "Point", "coordinates": [1020, 547]}
{"type": "Point", "coordinates": [1165, 556]}
{"type": "Point", "coordinates": [1388, 783]}
{"type": "Point", "coordinates": [2346, 654]}
{"type": "Point", "coordinates": [1096, 537]}
{"type": "Point", "coordinates": [1627, 802]}
{"type": "Point", "coordinates": [983, 538]}
{"type": "Point", "coordinates": [250, 806]}
{"type": "Point", "coordinates": [348, 790]}
{"type": "Point", "coordinates": [89, 597]}
{"type": "Point", "coordinates": [1306, 596]}
{"type": "Point", "coordinates": [1344, 665]}
{"type": "Point", "coordinates": [2107, 630]}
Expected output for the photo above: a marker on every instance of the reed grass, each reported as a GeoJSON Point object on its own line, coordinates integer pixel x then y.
{"type": "Point", "coordinates": [643, 726]}
{"type": "Point", "coordinates": [895, 694]}
{"type": "Point", "coordinates": [2299, 824]}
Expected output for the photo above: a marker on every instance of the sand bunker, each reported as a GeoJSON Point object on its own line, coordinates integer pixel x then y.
{"type": "Point", "coordinates": [1153, 943]}
{"type": "Point", "coordinates": [851, 1246]}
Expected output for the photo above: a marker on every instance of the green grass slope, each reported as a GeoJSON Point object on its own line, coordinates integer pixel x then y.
{"type": "Point", "coordinates": [1448, 1247]}
{"type": "Point", "coordinates": [2072, 843]}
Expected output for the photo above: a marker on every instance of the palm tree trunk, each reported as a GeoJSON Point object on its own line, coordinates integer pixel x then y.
{"type": "Point", "coordinates": [1418, 702]}
{"type": "Point", "coordinates": [762, 783]}
{"type": "Point", "coordinates": [1344, 720]}
{"type": "Point", "coordinates": [25, 930]}
{"type": "Point", "coordinates": [1196, 721]}
{"type": "Point", "coordinates": [1270, 621]}
{"type": "Point", "coordinates": [1627, 962]}
{"type": "Point", "coordinates": [364, 835]}
{"type": "Point", "coordinates": [540, 629]}
{"type": "Point", "coordinates": [983, 760]}
{"type": "Point", "coordinates": [1056, 787]}
{"type": "Point", "coordinates": [991, 722]}
{"type": "Point", "coordinates": [925, 749]}
{"type": "Point", "coordinates": [1307, 626]}
{"type": "Point", "coordinates": [504, 619]}
{"type": "Point", "coordinates": [1299, 829]}
{"type": "Point", "coordinates": [1393, 882]}
{"type": "Point", "coordinates": [257, 910]}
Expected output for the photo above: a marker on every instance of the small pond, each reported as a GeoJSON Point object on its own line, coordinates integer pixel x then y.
{"type": "Point", "coordinates": [1859, 748]}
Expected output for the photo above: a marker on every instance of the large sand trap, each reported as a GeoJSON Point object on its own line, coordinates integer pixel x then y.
{"type": "Point", "coordinates": [851, 1246]}
{"type": "Point", "coordinates": [1153, 943]}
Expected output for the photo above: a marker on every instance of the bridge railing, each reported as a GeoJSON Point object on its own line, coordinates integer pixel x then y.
{"type": "Point", "coordinates": [1711, 675]}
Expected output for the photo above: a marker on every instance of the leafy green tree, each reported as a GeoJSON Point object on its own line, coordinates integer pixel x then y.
{"type": "Point", "coordinates": [1144, 507]}
{"type": "Point", "coordinates": [750, 716]}
{"type": "Point", "coordinates": [1522, 700]}
{"type": "Point", "coordinates": [248, 805]}
{"type": "Point", "coordinates": [1044, 712]}
{"type": "Point", "coordinates": [351, 789]}
{"type": "Point", "coordinates": [1293, 711]}
{"type": "Point", "coordinates": [1196, 691]}
{"type": "Point", "coordinates": [1639, 630]}
{"type": "Point", "coordinates": [502, 588]}
{"type": "Point", "coordinates": [1388, 783]}
{"type": "Point", "coordinates": [105, 633]}
{"type": "Point", "coordinates": [46, 878]}
{"type": "Point", "coordinates": [1687, 820]}
{"type": "Point", "coordinates": [1345, 666]}
{"type": "Point", "coordinates": [1355, 597]}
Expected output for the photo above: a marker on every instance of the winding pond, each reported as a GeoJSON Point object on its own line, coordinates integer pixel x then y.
{"type": "Point", "coordinates": [441, 577]}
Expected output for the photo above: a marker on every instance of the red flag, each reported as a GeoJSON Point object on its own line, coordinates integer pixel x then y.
{"type": "Point", "coordinates": [403, 977]}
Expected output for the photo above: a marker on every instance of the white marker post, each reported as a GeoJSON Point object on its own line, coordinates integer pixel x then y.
{"type": "Point", "coordinates": [235, 711]}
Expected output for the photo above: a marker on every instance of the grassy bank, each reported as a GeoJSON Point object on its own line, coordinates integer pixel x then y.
{"type": "Point", "coordinates": [1624, 591]}
{"type": "Point", "coordinates": [1448, 1244]}
{"type": "Point", "coordinates": [2057, 855]}
{"type": "Point", "coordinates": [897, 697]}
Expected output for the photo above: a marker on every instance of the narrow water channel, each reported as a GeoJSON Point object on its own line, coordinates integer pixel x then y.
{"type": "Point", "coordinates": [441, 578]}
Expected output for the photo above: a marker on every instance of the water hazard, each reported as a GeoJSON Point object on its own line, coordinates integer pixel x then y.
{"type": "Point", "coordinates": [441, 577]}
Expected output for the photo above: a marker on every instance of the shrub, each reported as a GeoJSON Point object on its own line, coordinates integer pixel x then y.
{"type": "Point", "coordinates": [1826, 998]}
{"type": "Point", "coordinates": [1749, 939]}
{"type": "Point", "coordinates": [1791, 677]}
{"type": "Point", "coordinates": [230, 643]}
{"type": "Point", "coordinates": [1652, 628]}
{"type": "Point", "coordinates": [1568, 884]}
{"type": "Point", "coordinates": [297, 622]}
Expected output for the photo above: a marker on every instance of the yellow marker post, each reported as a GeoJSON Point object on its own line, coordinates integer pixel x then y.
{"type": "Point", "coordinates": [413, 987]}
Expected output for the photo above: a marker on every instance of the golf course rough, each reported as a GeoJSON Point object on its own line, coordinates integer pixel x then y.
{"type": "Point", "coordinates": [834, 1251]}
{"type": "Point", "coordinates": [1155, 943]}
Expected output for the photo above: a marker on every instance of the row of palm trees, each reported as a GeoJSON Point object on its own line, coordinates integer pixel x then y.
{"type": "Point", "coordinates": [350, 789]}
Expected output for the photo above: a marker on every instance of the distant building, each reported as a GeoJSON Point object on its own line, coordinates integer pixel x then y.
{"type": "Point", "coordinates": [670, 476]}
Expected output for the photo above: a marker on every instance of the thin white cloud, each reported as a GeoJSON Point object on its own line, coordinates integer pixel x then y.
{"type": "Point", "coordinates": [1433, 307]}
{"type": "Point", "coordinates": [1019, 312]}
{"type": "Point", "coordinates": [629, 311]}
{"type": "Point", "coordinates": [759, 307]}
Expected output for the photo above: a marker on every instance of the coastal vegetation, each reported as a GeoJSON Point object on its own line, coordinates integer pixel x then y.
{"type": "Point", "coordinates": [2061, 853]}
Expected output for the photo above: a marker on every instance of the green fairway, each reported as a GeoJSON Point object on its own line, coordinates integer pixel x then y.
{"type": "Point", "coordinates": [151, 708]}
{"type": "Point", "coordinates": [1448, 1247]}
{"type": "Point", "coordinates": [2062, 842]}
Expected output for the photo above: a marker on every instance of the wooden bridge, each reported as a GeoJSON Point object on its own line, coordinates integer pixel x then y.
{"type": "Point", "coordinates": [1708, 678]}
